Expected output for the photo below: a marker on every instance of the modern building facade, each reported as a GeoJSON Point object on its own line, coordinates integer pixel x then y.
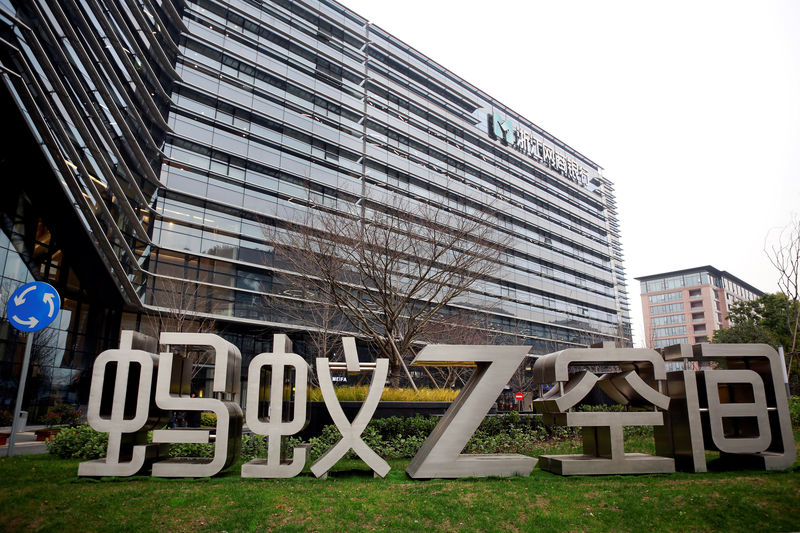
{"type": "Point", "coordinates": [159, 143]}
{"type": "Point", "coordinates": [687, 306]}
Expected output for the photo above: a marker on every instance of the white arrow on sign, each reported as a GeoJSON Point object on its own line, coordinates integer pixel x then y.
{"type": "Point", "coordinates": [20, 298]}
{"type": "Point", "coordinates": [48, 299]}
{"type": "Point", "coordinates": [31, 322]}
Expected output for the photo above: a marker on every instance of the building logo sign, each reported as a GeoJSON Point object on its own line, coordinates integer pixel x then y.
{"type": "Point", "coordinates": [505, 130]}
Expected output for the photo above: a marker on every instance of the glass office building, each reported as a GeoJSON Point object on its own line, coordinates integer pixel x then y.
{"type": "Point", "coordinates": [158, 144]}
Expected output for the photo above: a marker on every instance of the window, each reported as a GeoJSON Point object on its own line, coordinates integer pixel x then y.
{"type": "Point", "coordinates": [669, 342]}
{"type": "Point", "coordinates": [695, 293]}
{"type": "Point", "coordinates": [666, 320]}
{"type": "Point", "coordinates": [697, 305]}
{"type": "Point", "coordinates": [669, 332]}
{"type": "Point", "coordinates": [698, 317]}
{"type": "Point", "coordinates": [665, 309]}
{"type": "Point", "coordinates": [675, 282]}
{"type": "Point", "coordinates": [667, 297]}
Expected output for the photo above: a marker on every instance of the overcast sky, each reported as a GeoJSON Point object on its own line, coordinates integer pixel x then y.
{"type": "Point", "coordinates": [691, 107]}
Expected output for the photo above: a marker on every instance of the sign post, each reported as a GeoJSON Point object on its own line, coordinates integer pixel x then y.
{"type": "Point", "coordinates": [519, 397]}
{"type": "Point", "coordinates": [30, 308]}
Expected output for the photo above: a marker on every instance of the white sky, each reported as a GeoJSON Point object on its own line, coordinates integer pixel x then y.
{"type": "Point", "coordinates": [691, 107]}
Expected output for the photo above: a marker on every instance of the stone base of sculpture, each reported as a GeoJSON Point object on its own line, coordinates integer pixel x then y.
{"type": "Point", "coordinates": [287, 468]}
{"type": "Point", "coordinates": [468, 465]}
{"type": "Point", "coordinates": [588, 465]}
{"type": "Point", "coordinates": [144, 455]}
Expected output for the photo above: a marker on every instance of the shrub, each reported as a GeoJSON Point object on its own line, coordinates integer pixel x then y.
{"type": "Point", "coordinates": [254, 446]}
{"type": "Point", "coordinates": [204, 449]}
{"type": "Point", "coordinates": [395, 437]}
{"type": "Point", "coordinates": [396, 427]}
{"type": "Point", "coordinates": [392, 438]}
{"type": "Point", "coordinates": [794, 411]}
{"type": "Point", "coordinates": [208, 419]}
{"type": "Point", "coordinates": [80, 442]}
{"type": "Point", "coordinates": [63, 414]}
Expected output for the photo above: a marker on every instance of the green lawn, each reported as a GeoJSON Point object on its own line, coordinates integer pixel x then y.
{"type": "Point", "coordinates": [44, 493]}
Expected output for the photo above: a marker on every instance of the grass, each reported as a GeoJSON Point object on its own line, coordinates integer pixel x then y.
{"type": "Point", "coordinates": [44, 493]}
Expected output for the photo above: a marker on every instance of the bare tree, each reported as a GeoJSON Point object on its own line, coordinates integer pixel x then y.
{"type": "Point", "coordinates": [321, 321]}
{"type": "Point", "coordinates": [174, 304]}
{"type": "Point", "coordinates": [391, 270]}
{"type": "Point", "coordinates": [463, 328]}
{"type": "Point", "coordinates": [784, 254]}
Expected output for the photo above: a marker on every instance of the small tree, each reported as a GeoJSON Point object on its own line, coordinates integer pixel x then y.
{"type": "Point", "coordinates": [390, 271]}
{"type": "Point", "coordinates": [743, 333]}
{"type": "Point", "coordinates": [784, 254]}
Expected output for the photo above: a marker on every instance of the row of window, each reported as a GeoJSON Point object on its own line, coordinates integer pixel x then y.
{"type": "Point", "coordinates": [669, 332]}
{"type": "Point", "coordinates": [666, 297]}
{"type": "Point", "coordinates": [666, 309]}
{"type": "Point", "coordinates": [663, 343]}
{"type": "Point", "coordinates": [234, 166]}
{"type": "Point", "coordinates": [669, 319]}
{"type": "Point", "coordinates": [676, 282]}
{"type": "Point", "coordinates": [222, 238]}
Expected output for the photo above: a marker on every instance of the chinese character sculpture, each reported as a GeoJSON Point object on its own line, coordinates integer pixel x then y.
{"type": "Point", "coordinates": [172, 392]}
{"type": "Point", "coordinates": [126, 411]}
{"type": "Point", "coordinates": [637, 384]}
{"type": "Point", "coordinates": [736, 405]}
{"type": "Point", "coordinates": [351, 431]}
{"type": "Point", "coordinates": [274, 466]}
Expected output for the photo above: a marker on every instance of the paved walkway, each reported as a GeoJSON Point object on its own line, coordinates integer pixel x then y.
{"type": "Point", "coordinates": [26, 443]}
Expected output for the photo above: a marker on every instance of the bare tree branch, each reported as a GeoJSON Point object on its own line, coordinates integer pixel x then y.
{"type": "Point", "coordinates": [784, 254]}
{"type": "Point", "coordinates": [174, 303]}
{"type": "Point", "coordinates": [390, 271]}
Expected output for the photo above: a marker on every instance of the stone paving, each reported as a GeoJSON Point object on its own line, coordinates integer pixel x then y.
{"type": "Point", "coordinates": [26, 443]}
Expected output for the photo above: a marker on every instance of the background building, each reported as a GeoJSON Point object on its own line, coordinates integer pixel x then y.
{"type": "Point", "coordinates": [687, 306]}
{"type": "Point", "coordinates": [157, 144]}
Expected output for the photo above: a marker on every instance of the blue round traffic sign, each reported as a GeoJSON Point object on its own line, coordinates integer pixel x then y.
{"type": "Point", "coordinates": [33, 306]}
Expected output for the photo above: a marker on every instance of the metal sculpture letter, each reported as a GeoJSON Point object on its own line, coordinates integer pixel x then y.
{"type": "Point", "coordinates": [351, 432]}
{"type": "Point", "coordinates": [739, 408]}
{"type": "Point", "coordinates": [128, 451]}
{"type": "Point", "coordinates": [274, 426]}
{"type": "Point", "coordinates": [603, 444]}
{"type": "Point", "coordinates": [172, 393]}
{"type": "Point", "coordinates": [440, 454]}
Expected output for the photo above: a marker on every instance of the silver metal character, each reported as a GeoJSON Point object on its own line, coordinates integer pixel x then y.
{"type": "Point", "coordinates": [351, 432]}
{"type": "Point", "coordinates": [440, 455]}
{"type": "Point", "coordinates": [274, 427]}
{"type": "Point", "coordinates": [603, 443]}
{"type": "Point", "coordinates": [172, 394]}
{"type": "Point", "coordinates": [738, 408]}
{"type": "Point", "coordinates": [128, 452]}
